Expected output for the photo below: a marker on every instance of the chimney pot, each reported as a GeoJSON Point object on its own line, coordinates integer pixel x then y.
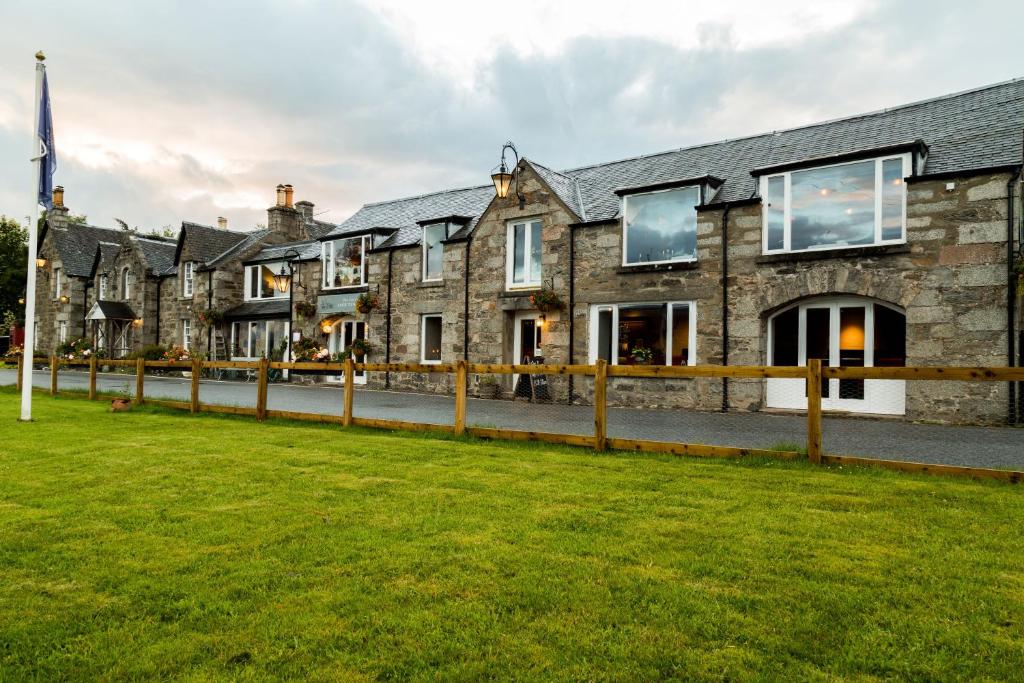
{"type": "Point", "coordinates": [58, 196]}
{"type": "Point", "coordinates": [288, 193]}
{"type": "Point", "coordinates": [222, 222]}
{"type": "Point", "coordinates": [280, 195]}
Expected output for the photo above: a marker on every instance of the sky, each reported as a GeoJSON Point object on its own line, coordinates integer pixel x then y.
{"type": "Point", "coordinates": [173, 110]}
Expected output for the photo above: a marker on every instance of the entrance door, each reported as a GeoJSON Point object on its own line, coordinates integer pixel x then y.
{"type": "Point", "coordinates": [342, 335]}
{"type": "Point", "coordinates": [527, 338]}
{"type": "Point", "coordinates": [847, 332]}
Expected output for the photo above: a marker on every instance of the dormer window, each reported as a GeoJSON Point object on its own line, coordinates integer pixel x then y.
{"type": "Point", "coordinates": [660, 226]}
{"type": "Point", "coordinates": [259, 281]}
{"type": "Point", "coordinates": [854, 204]}
{"type": "Point", "coordinates": [344, 262]}
{"type": "Point", "coordinates": [433, 250]}
{"type": "Point", "coordinates": [187, 278]}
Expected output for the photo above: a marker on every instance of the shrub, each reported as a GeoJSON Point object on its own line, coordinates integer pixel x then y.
{"type": "Point", "coordinates": [148, 352]}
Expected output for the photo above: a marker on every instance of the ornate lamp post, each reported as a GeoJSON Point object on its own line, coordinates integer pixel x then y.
{"type": "Point", "coordinates": [283, 283]}
{"type": "Point", "coordinates": [503, 179]}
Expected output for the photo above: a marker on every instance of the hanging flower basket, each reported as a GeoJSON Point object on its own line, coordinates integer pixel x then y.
{"type": "Point", "coordinates": [359, 348]}
{"type": "Point", "coordinates": [210, 318]}
{"type": "Point", "coordinates": [545, 300]}
{"type": "Point", "coordinates": [366, 303]}
{"type": "Point", "coordinates": [304, 309]}
{"type": "Point", "coordinates": [1018, 268]}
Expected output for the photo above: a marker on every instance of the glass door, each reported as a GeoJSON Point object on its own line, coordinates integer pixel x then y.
{"type": "Point", "coordinates": [342, 335]}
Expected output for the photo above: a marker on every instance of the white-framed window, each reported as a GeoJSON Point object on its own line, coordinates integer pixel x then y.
{"type": "Point", "coordinates": [852, 204]}
{"type": "Point", "coordinates": [126, 284]}
{"type": "Point", "coordinates": [187, 278]}
{"type": "Point", "coordinates": [433, 250]}
{"type": "Point", "coordinates": [430, 338]}
{"type": "Point", "coordinates": [344, 262]}
{"type": "Point", "coordinates": [186, 333]}
{"type": "Point", "coordinates": [57, 285]}
{"type": "Point", "coordinates": [660, 226]}
{"type": "Point", "coordinates": [104, 283]}
{"type": "Point", "coordinates": [523, 254]}
{"type": "Point", "coordinates": [62, 331]}
{"type": "Point", "coordinates": [259, 281]}
{"type": "Point", "coordinates": [252, 339]}
{"type": "Point", "coordinates": [656, 333]}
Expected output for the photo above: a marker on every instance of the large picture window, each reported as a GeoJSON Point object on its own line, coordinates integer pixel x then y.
{"type": "Point", "coordinates": [259, 339]}
{"type": "Point", "coordinates": [854, 204]}
{"type": "Point", "coordinates": [523, 253]}
{"type": "Point", "coordinates": [344, 262]}
{"type": "Point", "coordinates": [433, 250]}
{"type": "Point", "coordinates": [259, 281]}
{"type": "Point", "coordinates": [430, 338]}
{"type": "Point", "coordinates": [660, 227]}
{"type": "Point", "coordinates": [644, 333]}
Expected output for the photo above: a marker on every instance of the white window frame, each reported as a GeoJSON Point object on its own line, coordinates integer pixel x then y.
{"type": "Point", "coordinates": [62, 331]}
{"type": "Point", "coordinates": [423, 337]}
{"type": "Point", "coordinates": [275, 267]}
{"type": "Point", "coordinates": [104, 284]}
{"type": "Point", "coordinates": [57, 289]}
{"type": "Point", "coordinates": [186, 333]}
{"type": "Point", "coordinates": [423, 251]}
{"type": "Point", "coordinates": [907, 159]}
{"type": "Point", "coordinates": [327, 273]}
{"type": "Point", "coordinates": [596, 309]}
{"type": "Point", "coordinates": [625, 232]}
{"type": "Point", "coordinates": [188, 278]}
{"type": "Point", "coordinates": [126, 283]}
{"type": "Point", "coordinates": [266, 338]}
{"type": "Point", "coordinates": [510, 236]}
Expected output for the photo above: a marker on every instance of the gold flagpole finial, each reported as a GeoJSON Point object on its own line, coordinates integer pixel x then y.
{"type": "Point", "coordinates": [40, 56]}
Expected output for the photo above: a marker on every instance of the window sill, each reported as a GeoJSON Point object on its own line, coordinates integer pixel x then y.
{"type": "Point", "coordinates": [431, 283]}
{"type": "Point", "coordinates": [825, 254]}
{"type": "Point", "coordinates": [519, 293]}
{"type": "Point", "coordinates": [657, 267]}
{"type": "Point", "coordinates": [346, 288]}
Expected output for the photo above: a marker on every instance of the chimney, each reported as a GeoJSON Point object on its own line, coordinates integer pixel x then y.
{"type": "Point", "coordinates": [58, 196]}
{"type": "Point", "coordinates": [284, 219]}
{"type": "Point", "coordinates": [222, 222]}
{"type": "Point", "coordinates": [280, 195]}
{"type": "Point", "coordinates": [306, 209]}
{"type": "Point", "coordinates": [288, 192]}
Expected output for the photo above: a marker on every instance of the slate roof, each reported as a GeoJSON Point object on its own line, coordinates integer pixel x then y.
{"type": "Point", "coordinates": [964, 131]}
{"type": "Point", "coordinates": [207, 242]}
{"type": "Point", "coordinates": [318, 229]}
{"type": "Point", "coordinates": [308, 251]}
{"type": "Point", "coordinates": [158, 254]}
{"type": "Point", "coordinates": [257, 310]}
{"type": "Point", "coordinates": [250, 239]}
{"type": "Point", "coordinates": [110, 310]}
{"type": "Point", "coordinates": [77, 245]}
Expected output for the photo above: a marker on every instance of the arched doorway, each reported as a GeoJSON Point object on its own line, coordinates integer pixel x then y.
{"type": "Point", "coordinates": [845, 331]}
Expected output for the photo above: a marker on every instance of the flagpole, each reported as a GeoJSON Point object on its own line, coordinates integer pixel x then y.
{"type": "Point", "coordinates": [30, 284]}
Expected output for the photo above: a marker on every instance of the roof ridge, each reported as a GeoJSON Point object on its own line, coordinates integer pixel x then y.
{"type": "Point", "coordinates": [425, 194]}
{"type": "Point", "coordinates": [852, 117]}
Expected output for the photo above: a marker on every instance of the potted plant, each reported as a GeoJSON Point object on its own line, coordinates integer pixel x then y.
{"type": "Point", "coordinates": [306, 350]}
{"type": "Point", "coordinates": [359, 348]}
{"type": "Point", "coordinates": [487, 387]}
{"type": "Point", "coordinates": [366, 302]}
{"type": "Point", "coordinates": [179, 353]}
{"type": "Point", "coordinates": [545, 300]}
{"type": "Point", "coordinates": [641, 355]}
{"type": "Point", "coordinates": [304, 309]}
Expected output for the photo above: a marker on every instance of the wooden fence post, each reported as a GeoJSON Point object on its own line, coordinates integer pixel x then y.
{"type": "Point", "coordinates": [601, 405]}
{"type": "Point", "coordinates": [262, 378]}
{"type": "Point", "coordinates": [21, 369]}
{"type": "Point", "coordinates": [92, 377]}
{"type": "Point", "coordinates": [350, 390]}
{"type": "Point", "coordinates": [814, 410]}
{"type": "Point", "coordinates": [140, 378]}
{"type": "Point", "coordinates": [197, 369]}
{"type": "Point", "coordinates": [53, 375]}
{"type": "Point", "coordinates": [460, 397]}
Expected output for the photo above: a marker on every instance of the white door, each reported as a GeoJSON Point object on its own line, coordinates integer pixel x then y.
{"type": "Point", "coordinates": [840, 332]}
{"type": "Point", "coordinates": [342, 335]}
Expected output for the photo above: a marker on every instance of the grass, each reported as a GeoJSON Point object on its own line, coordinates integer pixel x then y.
{"type": "Point", "coordinates": [153, 544]}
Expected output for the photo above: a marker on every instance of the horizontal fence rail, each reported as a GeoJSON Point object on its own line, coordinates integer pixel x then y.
{"type": "Point", "coordinates": [814, 373]}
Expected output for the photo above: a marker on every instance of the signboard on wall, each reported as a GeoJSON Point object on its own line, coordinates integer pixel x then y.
{"type": "Point", "coordinates": [336, 304]}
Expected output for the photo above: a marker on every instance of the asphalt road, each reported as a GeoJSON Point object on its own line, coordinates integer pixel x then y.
{"type": "Point", "coordinates": [998, 447]}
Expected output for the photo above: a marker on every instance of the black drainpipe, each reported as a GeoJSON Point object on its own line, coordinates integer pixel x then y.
{"type": "Point", "coordinates": [159, 284]}
{"type": "Point", "coordinates": [85, 303]}
{"type": "Point", "coordinates": [572, 306]}
{"type": "Point", "coordinates": [387, 324]}
{"type": "Point", "coordinates": [1011, 296]}
{"type": "Point", "coordinates": [465, 304]}
{"type": "Point", "coordinates": [725, 306]}
{"type": "Point", "coordinates": [209, 307]}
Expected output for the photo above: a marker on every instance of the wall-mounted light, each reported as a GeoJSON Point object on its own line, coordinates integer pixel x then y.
{"type": "Point", "coordinates": [542, 321]}
{"type": "Point", "coordinates": [137, 322]}
{"type": "Point", "coordinates": [40, 262]}
{"type": "Point", "coordinates": [21, 301]}
{"type": "Point", "coordinates": [64, 298]}
{"type": "Point", "coordinates": [326, 327]}
{"type": "Point", "coordinates": [503, 179]}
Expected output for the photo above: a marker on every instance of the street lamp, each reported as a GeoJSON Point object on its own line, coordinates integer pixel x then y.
{"type": "Point", "coordinates": [503, 179]}
{"type": "Point", "coordinates": [283, 280]}
{"type": "Point", "coordinates": [283, 283]}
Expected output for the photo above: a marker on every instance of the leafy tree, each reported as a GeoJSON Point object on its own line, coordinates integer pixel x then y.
{"type": "Point", "coordinates": [13, 257]}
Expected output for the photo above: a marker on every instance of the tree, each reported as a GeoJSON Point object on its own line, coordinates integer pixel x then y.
{"type": "Point", "coordinates": [13, 257]}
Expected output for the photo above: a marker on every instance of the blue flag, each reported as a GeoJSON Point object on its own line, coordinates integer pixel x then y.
{"type": "Point", "coordinates": [48, 162]}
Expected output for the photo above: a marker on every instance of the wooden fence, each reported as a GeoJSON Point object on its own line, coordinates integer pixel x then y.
{"type": "Point", "coordinates": [814, 373]}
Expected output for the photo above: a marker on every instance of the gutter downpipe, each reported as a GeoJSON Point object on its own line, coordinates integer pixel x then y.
{"type": "Point", "coordinates": [572, 306]}
{"type": "Point", "coordinates": [1011, 296]}
{"type": "Point", "coordinates": [387, 324]}
{"type": "Point", "coordinates": [209, 307]}
{"type": "Point", "coordinates": [85, 304]}
{"type": "Point", "coordinates": [725, 305]}
{"type": "Point", "coordinates": [159, 286]}
{"type": "Point", "coordinates": [465, 303]}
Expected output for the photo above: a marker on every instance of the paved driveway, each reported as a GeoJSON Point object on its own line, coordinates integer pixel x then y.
{"type": "Point", "coordinates": [890, 439]}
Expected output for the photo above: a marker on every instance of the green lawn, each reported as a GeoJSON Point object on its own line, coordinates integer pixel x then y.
{"type": "Point", "coordinates": [155, 544]}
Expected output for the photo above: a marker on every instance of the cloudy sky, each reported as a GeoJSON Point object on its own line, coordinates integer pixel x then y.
{"type": "Point", "coordinates": [175, 110]}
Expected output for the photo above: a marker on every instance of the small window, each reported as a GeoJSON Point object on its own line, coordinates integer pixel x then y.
{"type": "Point", "coordinates": [660, 227]}
{"type": "Point", "coordinates": [344, 262]}
{"type": "Point", "coordinates": [126, 284]}
{"type": "Point", "coordinates": [57, 285]}
{"type": "Point", "coordinates": [523, 258]}
{"type": "Point", "coordinates": [259, 281]}
{"type": "Point", "coordinates": [188, 277]}
{"type": "Point", "coordinates": [643, 333]}
{"type": "Point", "coordinates": [433, 250]}
{"type": "Point", "coordinates": [855, 204]}
{"type": "Point", "coordinates": [104, 283]}
{"type": "Point", "coordinates": [430, 339]}
{"type": "Point", "coordinates": [62, 331]}
{"type": "Point", "coordinates": [186, 333]}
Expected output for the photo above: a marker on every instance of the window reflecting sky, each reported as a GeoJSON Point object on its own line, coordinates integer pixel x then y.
{"type": "Point", "coordinates": [833, 206]}
{"type": "Point", "coordinates": [662, 226]}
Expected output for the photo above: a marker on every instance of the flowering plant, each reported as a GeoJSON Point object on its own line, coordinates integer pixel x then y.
{"type": "Point", "coordinates": [80, 348]}
{"type": "Point", "coordinates": [359, 348]}
{"type": "Point", "coordinates": [546, 300]}
{"type": "Point", "coordinates": [210, 318]}
{"type": "Point", "coordinates": [366, 302]}
{"type": "Point", "coordinates": [14, 352]}
{"type": "Point", "coordinates": [177, 353]}
{"type": "Point", "coordinates": [308, 350]}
